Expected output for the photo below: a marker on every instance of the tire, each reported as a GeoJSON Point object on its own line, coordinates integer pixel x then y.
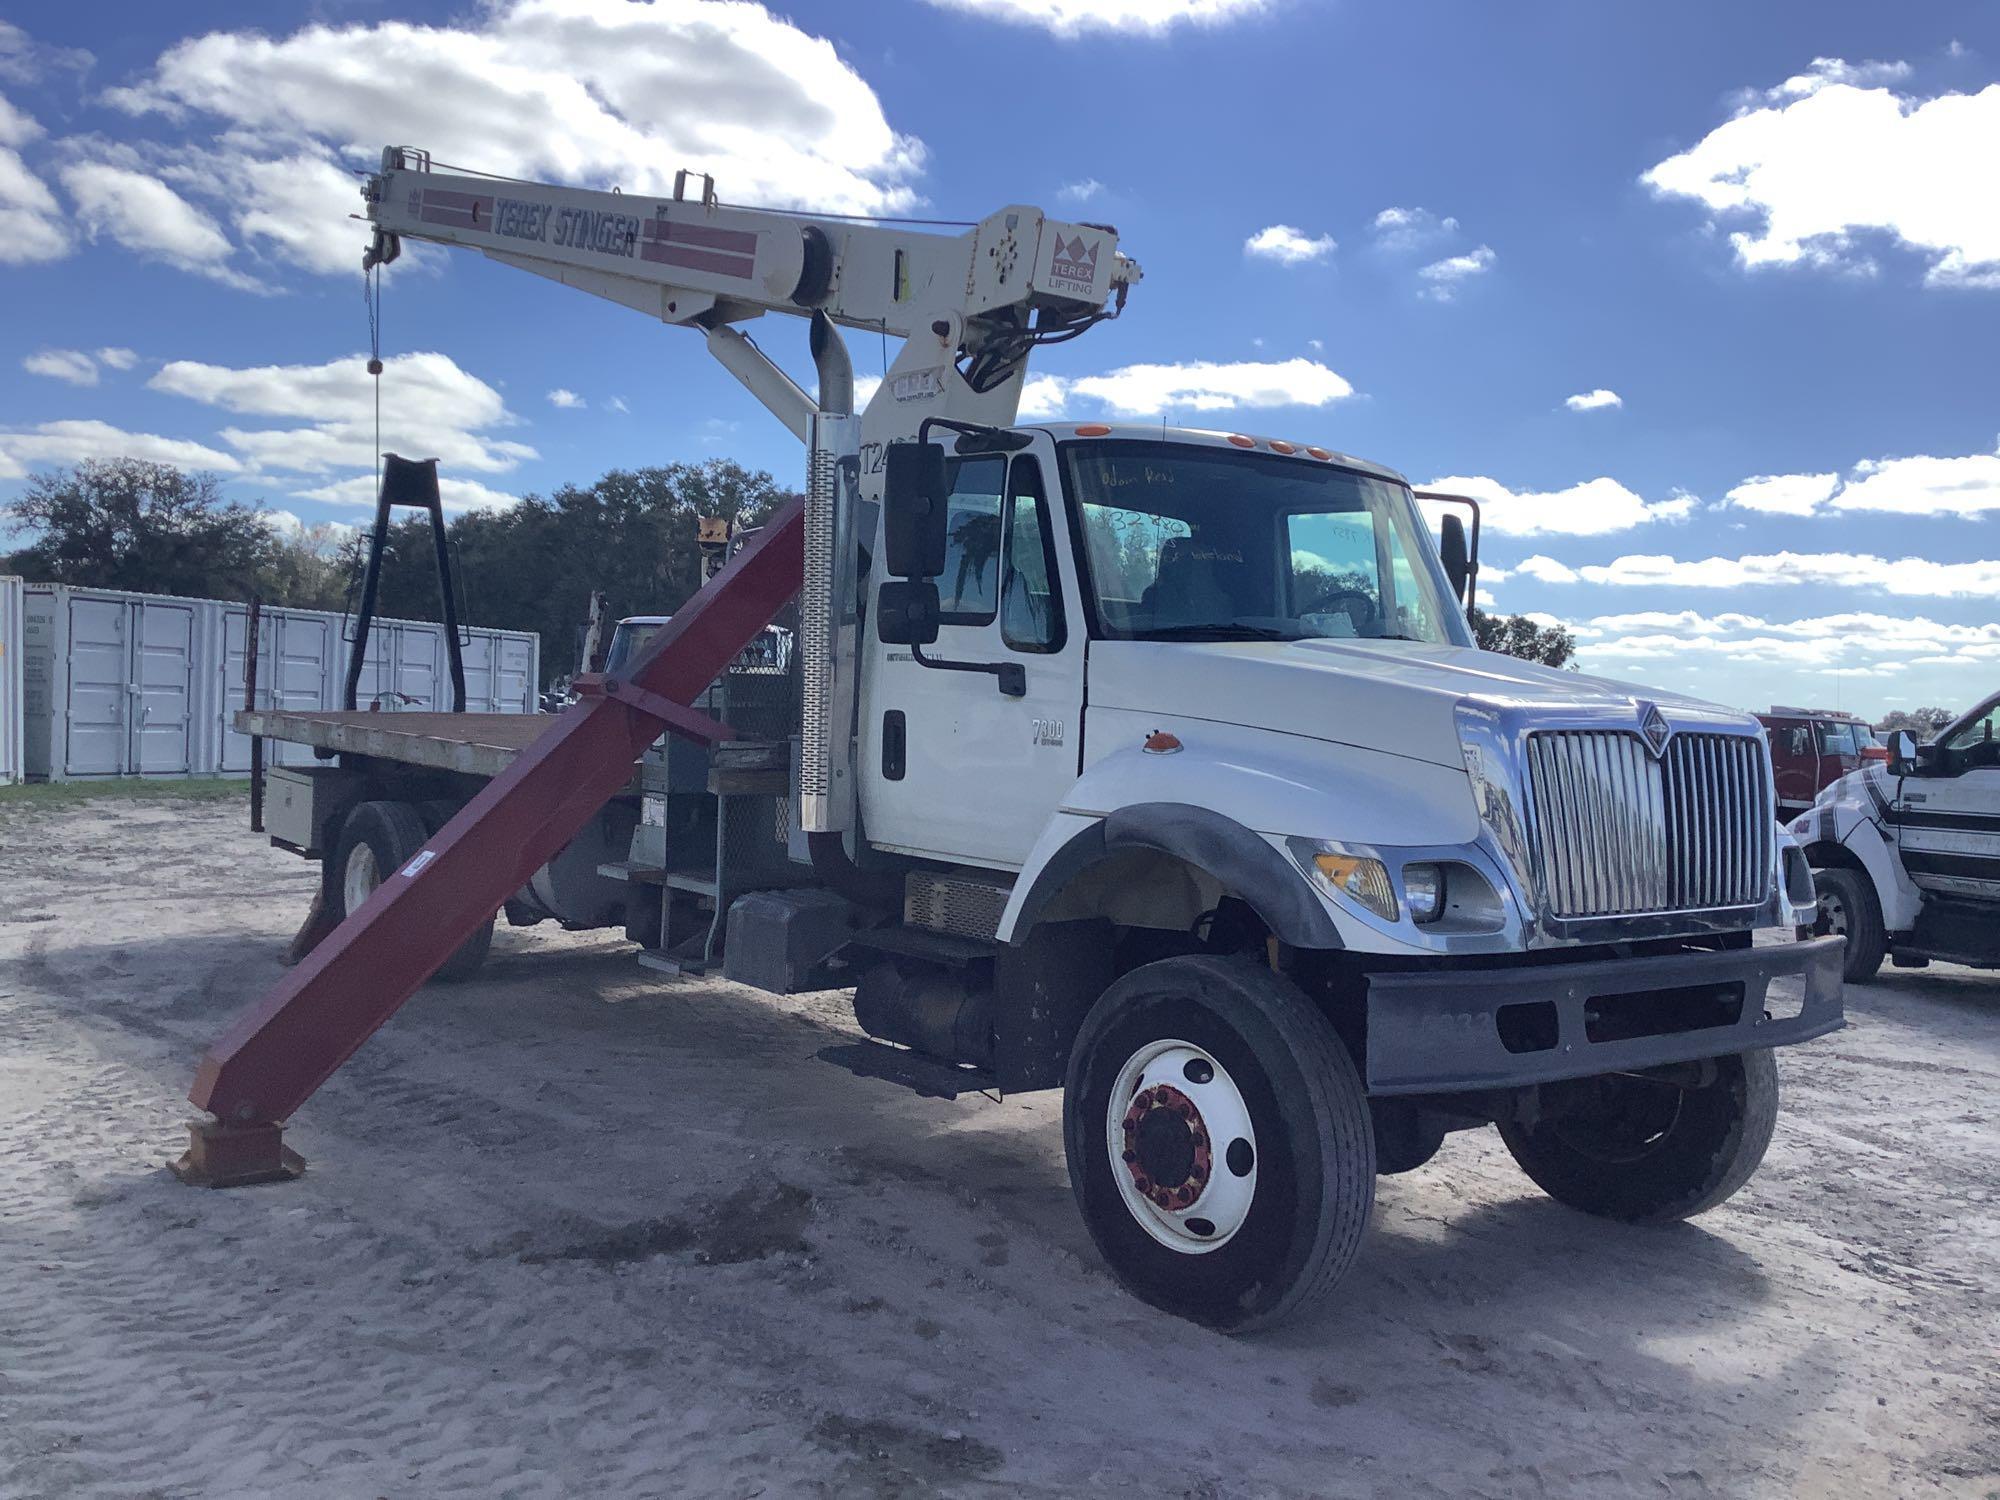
{"type": "Point", "coordinates": [380, 837]}
{"type": "Point", "coordinates": [1285, 1200]}
{"type": "Point", "coordinates": [1644, 1151]}
{"type": "Point", "coordinates": [1848, 908]}
{"type": "Point", "coordinates": [1405, 1138]}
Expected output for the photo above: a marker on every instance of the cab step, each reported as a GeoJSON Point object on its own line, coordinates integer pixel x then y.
{"type": "Point", "coordinates": [932, 1077]}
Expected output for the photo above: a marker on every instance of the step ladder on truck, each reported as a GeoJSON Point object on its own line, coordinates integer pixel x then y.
{"type": "Point", "coordinates": [1153, 765]}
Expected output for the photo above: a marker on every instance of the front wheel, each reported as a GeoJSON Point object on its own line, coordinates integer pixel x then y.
{"type": "Point", "coordinates": [1651, 1150]}
{"type": "Point", "coordinates": [1219, 1141]}
{"type": "Point", "coordinates": [1848, 908]}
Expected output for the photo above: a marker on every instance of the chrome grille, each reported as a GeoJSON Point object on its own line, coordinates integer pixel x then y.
{"type": "Point", "coordinates": [1615, 832]}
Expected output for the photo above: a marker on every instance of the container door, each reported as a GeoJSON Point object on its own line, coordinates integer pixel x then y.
{"type": "Point", "coordinates": [422, 684]}
{"type": "Point", "coordinates": [303, 661]}
{"type": "Point", "coordinates": [514, 687]}
{"type": "Point", "coordinates": [481, 651]}
{"type": "Point", "coordinates": [229, 691]}
{"type": "Point", "coordinates": [98, 687]}
{"type": "Point", "coordinates": [163, 689]}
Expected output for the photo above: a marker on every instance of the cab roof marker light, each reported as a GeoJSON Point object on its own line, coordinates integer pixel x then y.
{"type": "Point", "coordinates": [1279, 445]}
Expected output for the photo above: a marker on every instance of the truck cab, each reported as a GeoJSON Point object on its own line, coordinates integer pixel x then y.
{"type": "Point", "coordinates": [1811, 749]}
{"type": "Point", "coordinates": [1906, 854]}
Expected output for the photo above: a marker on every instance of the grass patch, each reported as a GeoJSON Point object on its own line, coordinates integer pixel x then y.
{"type": "Point", "coordinates": [124, 788]}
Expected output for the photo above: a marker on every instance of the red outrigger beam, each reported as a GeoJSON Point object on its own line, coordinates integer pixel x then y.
{"type": "Point", "coordinates": [279, 1051]}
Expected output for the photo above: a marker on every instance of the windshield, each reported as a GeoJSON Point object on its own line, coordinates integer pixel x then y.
{"type": "Point", "coordinates": [1981, 727]}
{"type": "Point", "coordinates": [1198, 543]}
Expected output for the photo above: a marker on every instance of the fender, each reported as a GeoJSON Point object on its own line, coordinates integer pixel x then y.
{"type": "Point", "coordinates": [1851, 814]}
{"type": "Point", "coordinates": [1217, 804]}
{"type": "Point", "coordinates": [1244, 863]}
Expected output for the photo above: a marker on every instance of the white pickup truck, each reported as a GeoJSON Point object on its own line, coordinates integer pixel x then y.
{"type": "Point", "coordinates": [1907, 855]}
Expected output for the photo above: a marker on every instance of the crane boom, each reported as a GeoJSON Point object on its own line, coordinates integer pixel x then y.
{"type": "Point", "coordinates": [979, 300]}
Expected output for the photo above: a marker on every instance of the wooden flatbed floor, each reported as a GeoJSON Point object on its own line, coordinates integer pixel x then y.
{"type": "Point", "coordinates": [476, 744]}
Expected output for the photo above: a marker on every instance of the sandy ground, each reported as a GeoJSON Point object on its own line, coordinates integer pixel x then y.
{"type": "Point", "coordinates": [576, 1230]}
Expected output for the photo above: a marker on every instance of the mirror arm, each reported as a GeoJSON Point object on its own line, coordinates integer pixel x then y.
{"type": "Point", "coordinates": [1013, 676]}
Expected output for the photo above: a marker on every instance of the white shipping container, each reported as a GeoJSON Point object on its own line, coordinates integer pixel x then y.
{"type": "Point", "coordinates": [124, 684]}
{"type": "Point", "coordinates": [13, 709]}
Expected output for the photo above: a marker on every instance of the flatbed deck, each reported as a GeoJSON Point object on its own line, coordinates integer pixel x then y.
{"type": "Point", "coordinates": [475, 744]}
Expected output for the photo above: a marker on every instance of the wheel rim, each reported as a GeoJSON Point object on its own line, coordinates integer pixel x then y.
{"type": "Point", "coordinates": [1832, 915]}
{"type": "Point", "coordinates": [1183, 1150]}
{"type": "Point", "coordinates": [359, 879]}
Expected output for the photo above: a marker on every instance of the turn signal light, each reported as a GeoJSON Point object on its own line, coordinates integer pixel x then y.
{"type": "Point", "coordinates": [1161, 742]}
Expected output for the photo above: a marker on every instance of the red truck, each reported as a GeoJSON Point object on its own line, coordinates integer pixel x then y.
{"type": "Point", "coordinates": [1811, 748]}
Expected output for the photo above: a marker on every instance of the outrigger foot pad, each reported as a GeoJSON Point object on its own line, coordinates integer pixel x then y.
{"type": "Point", "coordinates": [224, 1156]}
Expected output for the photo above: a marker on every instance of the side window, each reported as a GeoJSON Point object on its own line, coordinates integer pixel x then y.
{"type": "Point", "coordinates": [1031, 613]}
{"type": "Point", "coordinates": [969, 587]}
{"type": "Point", "coordinates": [1835, 739]}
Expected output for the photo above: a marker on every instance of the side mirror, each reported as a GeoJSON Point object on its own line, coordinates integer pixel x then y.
{"type": "Point", "coordinates": [914, 495]}
{"type": "Point", "coordinates": [1902, 752]}
{"type": "Point", "coordinates": [1455, 555]}
{"type": "Point", "coordinates": [906, 612]}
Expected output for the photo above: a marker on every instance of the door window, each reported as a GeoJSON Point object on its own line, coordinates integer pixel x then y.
{"type": "Point", "coordinates": [969, 587]}
{"type": "Point", "coordinates": [1836, 739]}
{"type": "Point", "coordinates": [1031, 616]}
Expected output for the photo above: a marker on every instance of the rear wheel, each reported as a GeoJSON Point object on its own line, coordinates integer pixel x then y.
{"type": "Point", "coordinates": [1848, 908]}
{"type": "Point", "coordinates": [376, 840]}
{"type": "Point", "coordinates": [1219, 1141]}
{"type": "Point", "coordinates": [1649, 1151]}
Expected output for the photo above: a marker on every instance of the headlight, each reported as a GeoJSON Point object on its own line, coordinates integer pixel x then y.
{"type": "Point", "coordinates": [1351, 877]}
{"type": "Point", "coordinates": [1423, 888]}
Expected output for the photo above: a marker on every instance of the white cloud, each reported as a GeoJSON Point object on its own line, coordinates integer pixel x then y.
{"type": "Point", "coordinates": [116, 358]}
{"type": "Point", "coordinates": [1198, 386]}
{"type": "Point", "coordinates": [584, 92]}
{"type": "Point", "coordinates": [25, 60]}
{"type": "Point", "coordinates": [1288, 246]}
{"type": "Point", "coordinates": [16, 128]}
{"type": "Point", "coordinates": [1919, 485]}
{"type": "Point", "coordinates": [71, 365]}
{"type": "Point", "coordinates": [31, 227]}
{"type": "Point", "coordinates": [566, 399]}
{"type": "Point", "coordinates": [1785, 494]}
{"type": "Point", "coordinates": [1924, 486]}
{"type": "Point", "coordinates": [324, 537]}
{"type": "Point", "coordinates": [865, 387]}
{"type": "Point", "coordinates": [1858, 642]}
{"type": "Point", "coordinates": [430, 409]}
{"type": "Point", "coordinates": [1071, 17]}
{"type": "Point", "coordinates": [617, 404]}
{"type": "Point", "coordinates": [1042, 397]}
{"type": "Point", "coordinates": [1410, 228]}
{"type": "Point", "coordinates": [1595, 507]}
{"type": "Point", "coordinates": [1831, 154]}
{"type": "Point", "coordinates": [143, 214]}
{"type": "Point", "coordinates": [1596, 400]}
{"type": "Point", "coordinates": [70, 442]}
{"type": "Point", "coordinates": [1910, 576]}
{"type": "Point", "coordinates": [1081, 191]}
{"type": "Point", "coordinates": [1445, 277]}
{"type": "Point", "coordinates": [457, 494]}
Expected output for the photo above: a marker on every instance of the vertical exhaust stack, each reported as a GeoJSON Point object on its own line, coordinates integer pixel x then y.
{"type": "Point", "coordinates": [827, 602]}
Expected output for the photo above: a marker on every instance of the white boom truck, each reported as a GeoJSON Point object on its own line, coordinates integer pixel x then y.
{"type": "Point", "coordinates": [1907, 854]}
{"type": "Point", "coordinates": [1159, 766]}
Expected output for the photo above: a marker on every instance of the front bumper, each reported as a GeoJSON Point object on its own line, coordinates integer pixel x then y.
{"type": "Point", "coordinates": [1452, 1030]}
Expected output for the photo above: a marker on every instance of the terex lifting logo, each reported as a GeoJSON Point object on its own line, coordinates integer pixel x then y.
{"type": "Point", "coordinates": [1074, 263]}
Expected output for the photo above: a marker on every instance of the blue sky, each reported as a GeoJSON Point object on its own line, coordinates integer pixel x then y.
{"type": "Point", "coordinates": [1701, 299]}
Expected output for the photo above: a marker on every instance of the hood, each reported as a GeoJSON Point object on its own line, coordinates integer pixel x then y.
{"type": "Point", "coordinates": [1394, 696]}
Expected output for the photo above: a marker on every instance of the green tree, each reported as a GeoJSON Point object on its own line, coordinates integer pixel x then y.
{"type": "Point", "coordinates": [1517, 635]}
{"type": "Point", "coordinates": [1924, 723]}
{"type": "Point", "coordinates": [127, 524]}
